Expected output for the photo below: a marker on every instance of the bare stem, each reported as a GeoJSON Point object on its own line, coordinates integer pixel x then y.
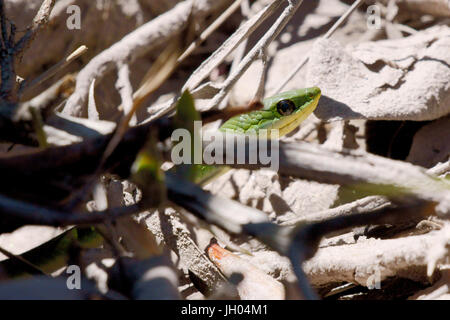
{"type": "Point", "coordinates": [330, 32]}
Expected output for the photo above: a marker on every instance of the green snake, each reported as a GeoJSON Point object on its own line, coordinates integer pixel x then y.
{"type": "Point", "coordinates": [283, 112]}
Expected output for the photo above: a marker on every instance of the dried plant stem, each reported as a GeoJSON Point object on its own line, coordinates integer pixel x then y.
{"type": "Point", "coordinates": [27, 213]}
{"type": "Point", "coordinates": [243, 32]}
{"type": "Point", "coordinates": [265, 40]}
{"type": "Point", "coordinates": [360, 170]}
{"type": "Point", "coordinates": [194, 82]}
{"type": "Point", "coordinates": [136, 44]}
{"type": "Point", "coordinates": [365, 205]}
{"type": "Point", "coordinates": [441, 168]}
{"type": "Point", "coordinates": [330, 32]}
{"type": "Point", "coordinates": [29, 86]}
{"type": "Point", "coordinates": [123, 85]}
{"type": "Point", "coordinates": [210, 29]}
{"type": "Point", "coordinates": [31, 268]}
{"type": "Point", "coordinates": [40, 20]}
{"type": "Point", "coordinates": [259, 95]}
{"type": "Point", "coordinates": [92, 106]}
{"type": "Point", "coordinates": [358, 262]}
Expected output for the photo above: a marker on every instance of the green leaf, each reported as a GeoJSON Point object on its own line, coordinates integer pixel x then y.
{"type": "Point", "coordinates": [186, 113]}
{"type": "Point", "coordinates": [185, 118]}
{"type": "Point", "coordinates": [146, 173]}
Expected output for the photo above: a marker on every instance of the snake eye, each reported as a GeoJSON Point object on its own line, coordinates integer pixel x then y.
{"type": "Point", "coordinates": [285, 107]}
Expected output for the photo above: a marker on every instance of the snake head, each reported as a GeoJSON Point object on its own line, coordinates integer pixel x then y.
{"type": "Point", "coordinates": [290, 108]}
{"type": "Point", "coordinates": [282, 112]}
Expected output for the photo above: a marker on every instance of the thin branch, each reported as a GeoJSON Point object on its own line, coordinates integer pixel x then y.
{"type": "Point", "coordinates": [136, 44]}
{"type": "Point", "coordinates": [17, 213]}
{"type": "Point", "coordinates": [163, 67]}
{"type": "Point", "coordinates": [27, 265]}
{"type": "Point", "coordinates": [92, 106]}
{"type": "Point", "coordinates": [221, 211]}
{"type": "Point", "coordinates": [330, 32]}
{"type": "Point", "coordinates": [242, 33]}
{"type": "Point", "coordinates": [46, 99]}
{"type": "Point", "coordinates": [360, 170]}
{"type": "Point", "coordinates": [29, 86]}
{"type": "Point", "coordinates": [200, 74]}
{"type": "Point", "coordinates": [357, 263]}
{"type": "Point", "coordinates": [259, 95]}
{"type": "Point", "coordinates": [441, 168]}
{"type": "Point", "coordinates": [8, 74]}
{"type": "Point", "coordinates": [11, 129]}
{"type": "Point", "coordinates": [217, 210]}
{"type": "Point", "coordinates": [125, 89]}
{"type": "Point", "coordinates": [300, 243]}
{"type": "Point", "coordinates": [12, 33]}
{"type": "Point", "coordinates": [364, 205]}
{"type": "Point", "coordinates": [306, 130]}
{"type": "Point", "coordinates": [3, 25]}
{"type": "Point", "coordinates": [160, 71]}
{"type": "Point", "coordinates": [268, 37]}
{"type": "Point", "coordinates": [40, 20]}
{"type": "Point", "coordinates": [210, 29]}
